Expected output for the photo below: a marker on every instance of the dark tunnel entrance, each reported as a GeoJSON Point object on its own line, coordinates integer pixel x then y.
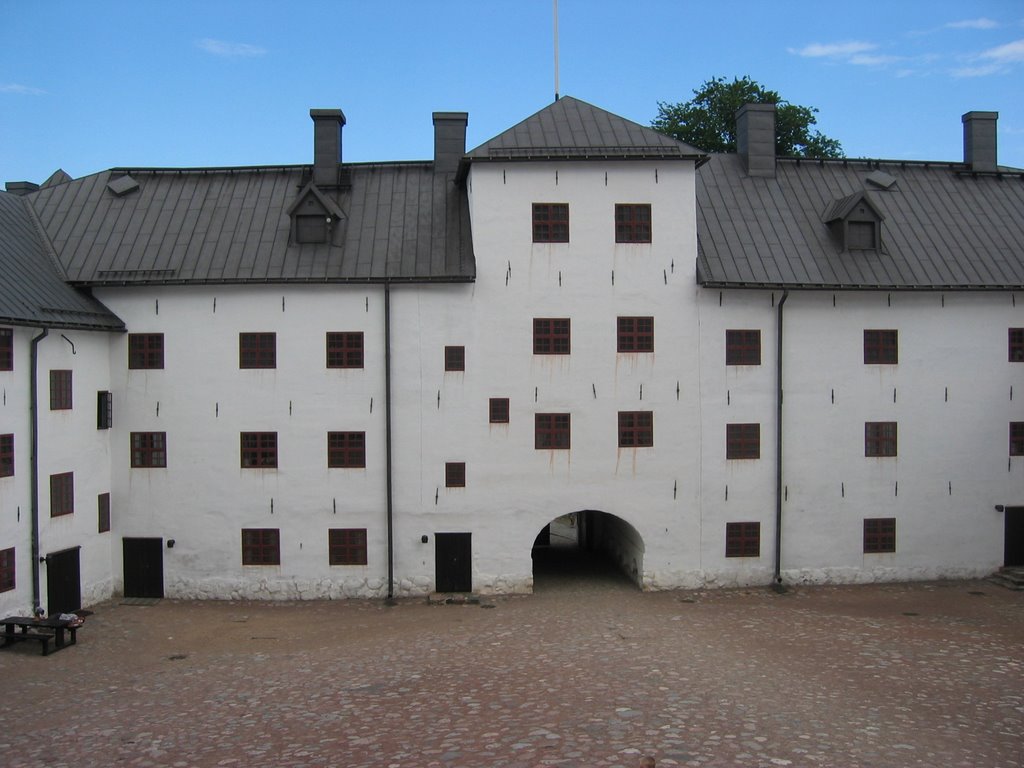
{"type": "Point", "coordinates": [587, 547]}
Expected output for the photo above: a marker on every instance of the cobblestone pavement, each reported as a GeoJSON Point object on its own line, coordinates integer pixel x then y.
{"type": "Point", "coordinates": [585, 673]}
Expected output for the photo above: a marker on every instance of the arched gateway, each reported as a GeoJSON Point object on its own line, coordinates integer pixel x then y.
{"type": "Point", "coordinates": [588, 541]}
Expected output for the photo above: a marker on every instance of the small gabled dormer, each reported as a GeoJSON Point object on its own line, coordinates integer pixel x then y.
{"type": "Point", "coordinates": [855, 222]}
{"type": "Point", "coordinates": [315, 217]}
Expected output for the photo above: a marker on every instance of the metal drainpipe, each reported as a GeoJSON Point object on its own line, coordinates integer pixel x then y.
{"type": "Point", "coordinates": [778, 442]}
{"type": "Point", "coordinates": [34, 464]}
{"type": "Point", "coordinates": [387, 437]}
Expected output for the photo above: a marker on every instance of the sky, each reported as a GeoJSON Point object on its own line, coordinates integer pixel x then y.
{"type": "Point", "coordinates": [86, 86]}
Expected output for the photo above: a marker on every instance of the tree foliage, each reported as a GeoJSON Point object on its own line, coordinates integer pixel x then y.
{"type": "Point", "coordinates": [708, 120]}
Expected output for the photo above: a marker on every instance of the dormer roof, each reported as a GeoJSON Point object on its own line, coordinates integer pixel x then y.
{"type": "Point", "coordinates": [841, 208]}
{"type": "Point", "coordinates": [313, 190]}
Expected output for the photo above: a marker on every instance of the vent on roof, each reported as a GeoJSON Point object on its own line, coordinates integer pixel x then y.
{"type": "Point", "coordinates": [880, 179]}
{"type": "Point", "coordinates": [21, 187]}
{"type": "Point", "coordinates": [122, 185]}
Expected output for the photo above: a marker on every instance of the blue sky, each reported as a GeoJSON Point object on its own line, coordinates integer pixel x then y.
{"type": "Point", "coordinates": [86, 86]}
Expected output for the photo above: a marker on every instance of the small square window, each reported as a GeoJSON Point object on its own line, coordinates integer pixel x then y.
{"type": "Point", "coordinates": [455, 474]}
{"type": "Point", "coordinates": [345, 349]}
{"type": "Point", "coordinates": [742, 441]}
{"type": "Point", "coordinates": [551, 431]}
{"type": "Point", "coordinates": [7, 455]}
{"type": "Point", "coordinates": [881, 347]}
{"type": "Point", "coordinates": [880, 438]}
{"type": "Point", "coordinates": [742, 539]}
{"type": "Point", "coordinates": [636, 429]}
{"type": "Point", "coordinates": [347, 546]}
{"type": "Point", "coordinates": [861, 235]}
{"type": "Point", "coordinates": [455, 358]}
{"type": "Point", "coordinates": [879, 534]}
{"type": "Point", "coordinates": [551, 336]}
{"type": "Point", "coordinates": [311, 229]}
{"type": "Point", "coordinates": [6, 349]}
{"type": "Point", "coordinates": [633, 223]}
{"type": "Point", "coordinates": [259, 450]}
{"type": "Point", "coordinates": [7, 577]}
{"type": "Point", "coordinates": [1017, 438]}
{"type": "Point", "coordinates": [346, 450]}
{"type": "Point", "coordinates": [1016, 344]}
{"type": "Point", "coordinates": [103, 512]}
{"type": "Point", "coordinates": [551, 222]}
{"type": "Point", "coordinates": [498, 410]}
{"type": "Point", "coordinates": [145, 350]}
{"type": "Point", "coordinates": [62, 494]}
{"type": "Point", "coordinates": [60, 390]}
{"type": "Point", "coordinates": [261, 546]}
{"type": "Point", "coordinates": [104, 410]}
{"type": "Point", "coordinates": [257, 350]}
{"type": "Point", "coordinates": [149, 449]}
{"type": "Point", "coordinates": [743, 347]}
{"type": "Point", "coordinates": [635, 334]}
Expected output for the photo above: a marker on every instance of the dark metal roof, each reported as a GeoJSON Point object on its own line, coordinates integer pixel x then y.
{"type": "Point", "coordinates": [573, 129]}
{"type": "Point", "coordinates": [32, 291]}
{"type": "Point", "coordinates": [942, 226]}
{"type": "Point", "coordinates": [402, 222]}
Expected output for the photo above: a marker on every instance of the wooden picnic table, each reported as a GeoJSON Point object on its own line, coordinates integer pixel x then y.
{"type": "Point", "coordinates": [19, 629]}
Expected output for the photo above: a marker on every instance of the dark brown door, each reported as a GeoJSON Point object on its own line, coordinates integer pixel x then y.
{"type": "Point", "coordinates": [63, 582]}
{"type": "Point", "coordinates": [453, 562]}
{"type": "Point", "coordinates": [1013, 543]}
{"type": "Point", "coordinates": [143, 567]}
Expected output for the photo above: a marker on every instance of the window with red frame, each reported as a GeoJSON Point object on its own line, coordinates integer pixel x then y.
{"type": "Point", "coordinates": [347, 546]}
{"type": "Point", "coordinates": [261, 546]}
{"type": "Point", "coordinates": [498, 410]}
{"type": "Point", "coordinates": [455, 358]}
{"type": "Point", "coordinates": [62, 494]}
{"type": "Point", "coordinates": [7, 455]}
{"type": "Point", "coordinates": [635, 334]}
{"type": "Point", "coordinates": [743, 347]}
{"type": "Point", "coordinates": [551, 431]}
{"type": "Point", "coordinates": [103, 512]}
{"type": "Point", "coordinates": [742, 539]}
{"type": "Point", "coordinates": [551, 222]}
{"type": "Point", "coordinates": [345, 349]}
{"type": "Point", "coordinates": [6, 349]}
{"type": "Point", "coordinates": [1017, 438]}
{"type": "Point", "coordinates": [1016, 345]}
{"type": "Point", "coordinates": [346, 450]}
{"type": "Point", "coordinates": [60, 390]}
{"type": "Point", "coordinates": [633, 223]}
{"type": "Point", "coordinates": [880, 438]}
{"type": "Point", "coordinates": [257, 350]}
{"type": "Point", "coordinates": [7, 577]}
{"type": "Point", "coordinates": [258, 450]}
{"type": "Point", "coordinates": [742, 441]}
{"type": "Point", "coordinates": [636, 429]}
{"type": "Point", "coordinates": [879, 534]}
{"type": "Point", "coordinates": [455, 474]}
{"type": "Point", "coordinates": [145, 350]}
{"type": "Point", "coordinates": [149, 449]}
{"type": "Point", "coordinates": [881, 347]}
{"type": "Point", "coordinates": [551, 336]}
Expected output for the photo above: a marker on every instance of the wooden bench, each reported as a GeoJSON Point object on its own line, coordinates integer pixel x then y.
{"type": "Point", "coordinates": [43, 638]}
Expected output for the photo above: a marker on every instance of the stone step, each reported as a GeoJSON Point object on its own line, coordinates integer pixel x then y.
{"type": "Point", "coordinates": [1011, 578]}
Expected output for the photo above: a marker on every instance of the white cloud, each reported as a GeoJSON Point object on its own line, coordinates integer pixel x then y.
{"type": "Point", "coordinates": [26, 90]}
{"type": "Point", "coordinates": [833, 50]}
{"type": "Point", "coordinates": [1006, 54]}
{"type": "Point", "coordinates": [982, 71]}
{"type": "Point", "coordinates": [873, 60]}
{"type": "Point", "coordinates": [225, 48]}
{"type": "Point", "coordinates": [981, 23]}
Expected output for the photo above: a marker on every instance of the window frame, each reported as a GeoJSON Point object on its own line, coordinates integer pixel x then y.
{"type": "Point", "coordinates": [104, 409]}
{"type": "Point", "coordinates": [6, 349]}
{"type": "Point", "coordinates": [103, 513]}
{"type": "Point", "coordinates": [261, 451]}
{"type": "Point", "coordinates": [346, 546]}
{"type": "Point", "coordinates": [498, 410]}
{"type": "Point", "coordinates": [62, 494]}
{"type": "Point", "coordinates": [743, 346]}
{"type": "Point", "coordinates": [631, 228]}
{"type": "Point", "coordinates": [549, 336]}
{"type": "Point", "coordinates": [257, 350]}
{"type": "Point", "coordinates": [7, 466]}
{"type": "Point", "coordinates": [548, 224]}
{"type": "Point", "coordinates": [454, 358]}
{"type": "Point", "coordinates": [881, 346]}
{"type": "Point", "coordinates": [743, 539]}
{"type": "Point", "coordinates": [455, 474]}
{"type": "Point", "coordinates": [879, 535]}
{"type": "Point", "coordinates": [148, 450]}
{"type": "Point", "coordinates": [550, 430]}
{"type": "Point", "coordinates": [261, 546]}
{"type": "Point", "coordinates": [145, 351]}
{"type": "Point", "coordinates": [346, 450]}
{"type": "Point", "coordinates": [310, 228]}
{"type": "Point", "coordinates": [61, 390]}
{"type": "Point", "coordinates": [8, 569]}
{"type": "Point", "coordinates": [1017, 438]}
{"type": "Point", "coordinates": [636, 429]}
{"type": "Point", "coordinates": [634, 334]}
{"type": "Point", "coordinates": [345, 349]}
{"type": "Point", "coordinates": [743, 441]}
{"type": "Point", "coordinates": [877, 443]}
{"type": "Point", "coordinates": [1015, 345]}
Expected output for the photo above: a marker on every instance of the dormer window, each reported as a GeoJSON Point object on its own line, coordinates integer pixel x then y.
{"type": "Point", "coordinates": [315, 216]}
{"type": "Point", "coordinates": [855, 222]}
{"type": "Point", "coordinates": [310, 229]}
{"type": "Point", "coordinates": [861, 235]}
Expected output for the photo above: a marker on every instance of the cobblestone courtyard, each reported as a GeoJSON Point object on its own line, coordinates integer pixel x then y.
{"type": "Point", "coordinates": [585, 673]}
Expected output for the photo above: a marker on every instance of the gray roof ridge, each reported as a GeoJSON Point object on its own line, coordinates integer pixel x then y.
{"type": "Point", "coordinates": [44, 240]}
{"type": "Point", "coordinates": [200, 169]}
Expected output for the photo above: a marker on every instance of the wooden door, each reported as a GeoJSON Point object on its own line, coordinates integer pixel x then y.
{"type": "Point", "coordinates": [453, 562]}
{"type": "Point", "coordinates": [63, 582]}
{"type": "Point", "coordinates": [143, 567]}
{"type": "Point", "coordinates": [1013, 541]}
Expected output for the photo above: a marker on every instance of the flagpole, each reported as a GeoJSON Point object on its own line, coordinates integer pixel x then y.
{"type": "Point", "coordinates": [556, 48]}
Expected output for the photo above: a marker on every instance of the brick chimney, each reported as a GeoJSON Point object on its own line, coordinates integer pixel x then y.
{"type": "Point", "coordinates": [449, 140]}
{"type": "Point", "coordinates": [755, 138]}
{"type": "Point", "coordinates": [980, 140]}
{"type": "Point", "coordinates": [327, 125]}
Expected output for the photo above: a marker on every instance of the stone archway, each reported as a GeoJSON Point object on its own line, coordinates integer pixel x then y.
{"type": "Point", "coordinates": [588, 544]}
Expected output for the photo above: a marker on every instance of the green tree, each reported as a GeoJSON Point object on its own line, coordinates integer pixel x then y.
{"type": "Point", "coordinates": [708, 120]}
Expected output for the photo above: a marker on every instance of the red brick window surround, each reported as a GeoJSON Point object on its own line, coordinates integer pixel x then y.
{"type": "Point", "coordinates": [261, 546]}
{"type": "Point", "coordinates": [145, 351]}
{"type": "Point", "coordinates": [7, 577]}
{"type": "Point", "coordinates": [103, 513]}
{"type": "Point", "coordinates": [347, 546]}
{"type": "Point", "coordinates": [257, 350]}
{"type": "Point", "coordinates": [60, 390]}
{"type": "Point", "coordinates": [344, 349]}
{"type": "Point", "coordinates": [6, 349]}
{"type": "Point", "coordinates": [551, 222]}
{"type": "Point", "coordinates": [258, 450]}
{"type": "Point", "coordinates": [455, 474]}
{"type": "Point", "coordinates": [633, 223]}
{"type": "Point", "coordinates": [551, 336]}
{"type": "Point", "coordinates": [455, 358]}
{"type": "Point", "coordinates": [7, 455]}
{"type": "Point", "coordinates": [635, 334]}
{"type": "Point", "coordinates": [742, 441]}
{"type": "Point", "coordinates": [552, 431]}
{"type": "Point", "coordinates": [743, 347]}
{"type": "Point", "coordinates": [880, 438]}
{"type": "Point", "coordinates": [62, 494]}
{"type": "Point", "coordinates": [881, 347]}
{"type": "Point", "coordinates": [149, 449]}
{"type": "Point", "coordinates": [498, 410]}
{"type": "Point", "coordinates": [346, 450]}
{"type": "Point", "coordinates": [1017, 438]}
{"type": "Point", "coordinates": [742, 539]}
{"type": "Point", "coordinates": [636, 429]}
{"type": "Point", "coordinates": [879, 534]}
{"type": "Point", "coordinates": [1015, 341]}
